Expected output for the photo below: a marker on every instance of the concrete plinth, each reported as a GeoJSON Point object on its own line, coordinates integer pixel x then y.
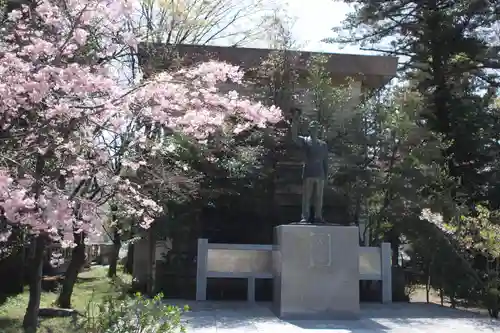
{"type": "Point", "coordinates": [316, 271]}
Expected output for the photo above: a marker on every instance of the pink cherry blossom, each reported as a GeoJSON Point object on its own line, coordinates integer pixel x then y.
{"type": "Point", "coordinates": [70, 132]}
{"type": "Point", "coordinates": [59, 104]}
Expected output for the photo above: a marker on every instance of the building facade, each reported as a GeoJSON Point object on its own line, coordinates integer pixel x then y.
{"type": "Point", "coordinates": [362, 74]}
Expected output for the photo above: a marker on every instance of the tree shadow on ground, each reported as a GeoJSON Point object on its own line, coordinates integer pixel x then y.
{"type": "Point", "coordinates": [377, 318]}
{"type": "Point", "coordinates": [46, 325]}
{"type": "Point", "coordinates": [423, 314]}
{"type": "Point", "coordinates": [10, 325]}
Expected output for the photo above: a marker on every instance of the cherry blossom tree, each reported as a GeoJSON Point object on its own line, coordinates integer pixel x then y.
{"type": "Point", "coordinates": [58, 100]}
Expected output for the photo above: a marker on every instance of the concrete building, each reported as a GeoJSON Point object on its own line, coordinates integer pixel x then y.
{"type": "Point", "coordinates": [365, 73]}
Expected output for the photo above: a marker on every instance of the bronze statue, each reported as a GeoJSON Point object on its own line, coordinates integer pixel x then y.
{"type": "Point", "coordinates": [314, 171]}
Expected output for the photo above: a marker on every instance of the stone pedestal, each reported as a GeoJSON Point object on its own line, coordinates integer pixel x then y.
{"type": "Point", "coordinates": [316, 272]}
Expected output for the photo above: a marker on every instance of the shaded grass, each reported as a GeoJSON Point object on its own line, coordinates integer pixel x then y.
{"type": "Point", "coordinates": [92, 286]}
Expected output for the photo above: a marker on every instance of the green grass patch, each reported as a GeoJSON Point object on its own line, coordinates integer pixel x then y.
{"type": "Point", "coordinates": [92, 286]}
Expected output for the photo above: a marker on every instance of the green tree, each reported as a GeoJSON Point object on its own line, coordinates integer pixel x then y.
{"type": "Point", "coordinates": [449, 53]}
{"type": "Point", "coordinates": [448, 50]}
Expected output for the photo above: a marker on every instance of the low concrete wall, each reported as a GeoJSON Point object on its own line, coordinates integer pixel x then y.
{"type": "Point", "coordinates": [254, 261]}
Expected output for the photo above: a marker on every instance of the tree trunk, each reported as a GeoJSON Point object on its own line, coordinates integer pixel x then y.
{"type": "Point", "coordinates": [74, 267]}
{"type": "Point", "coordinates": [428, 280]}
{"type": "Point", "coordinates": [395, 243]}
{"type": "Point", "coordinates": [427, 289]}
{"type": "Point", "coordinates": [453, 300]}
{"type": "Point", "coordinates": [129, 263]}
{"type": "Point", "coordinates": [151, 268]}
{"type": "Point", "coordinates": [117, 244]}
{"type": "Point", "coordinates": [493, 313]}
{"type": "Point", "coordinates": [30, 321]}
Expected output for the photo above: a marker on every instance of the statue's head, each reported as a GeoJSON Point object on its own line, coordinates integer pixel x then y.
{"type": "Point", "coordinates": [314, 129]}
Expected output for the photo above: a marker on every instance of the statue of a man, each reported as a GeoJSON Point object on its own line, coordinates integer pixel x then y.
{"type": "Point", "coordinates": [315, 169]}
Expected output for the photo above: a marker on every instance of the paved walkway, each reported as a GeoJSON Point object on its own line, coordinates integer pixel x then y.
{"type": "Point", "coordinates": [240, 317]}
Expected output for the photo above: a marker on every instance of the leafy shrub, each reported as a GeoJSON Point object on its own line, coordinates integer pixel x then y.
{"type": "Point", "coordinates": [132, 315]}
{"type": "Point", "coordinates": [492, 301]}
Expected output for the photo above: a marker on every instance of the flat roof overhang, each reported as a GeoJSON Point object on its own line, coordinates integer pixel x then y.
{"type": "Point", "coordinates": [373, 71]}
